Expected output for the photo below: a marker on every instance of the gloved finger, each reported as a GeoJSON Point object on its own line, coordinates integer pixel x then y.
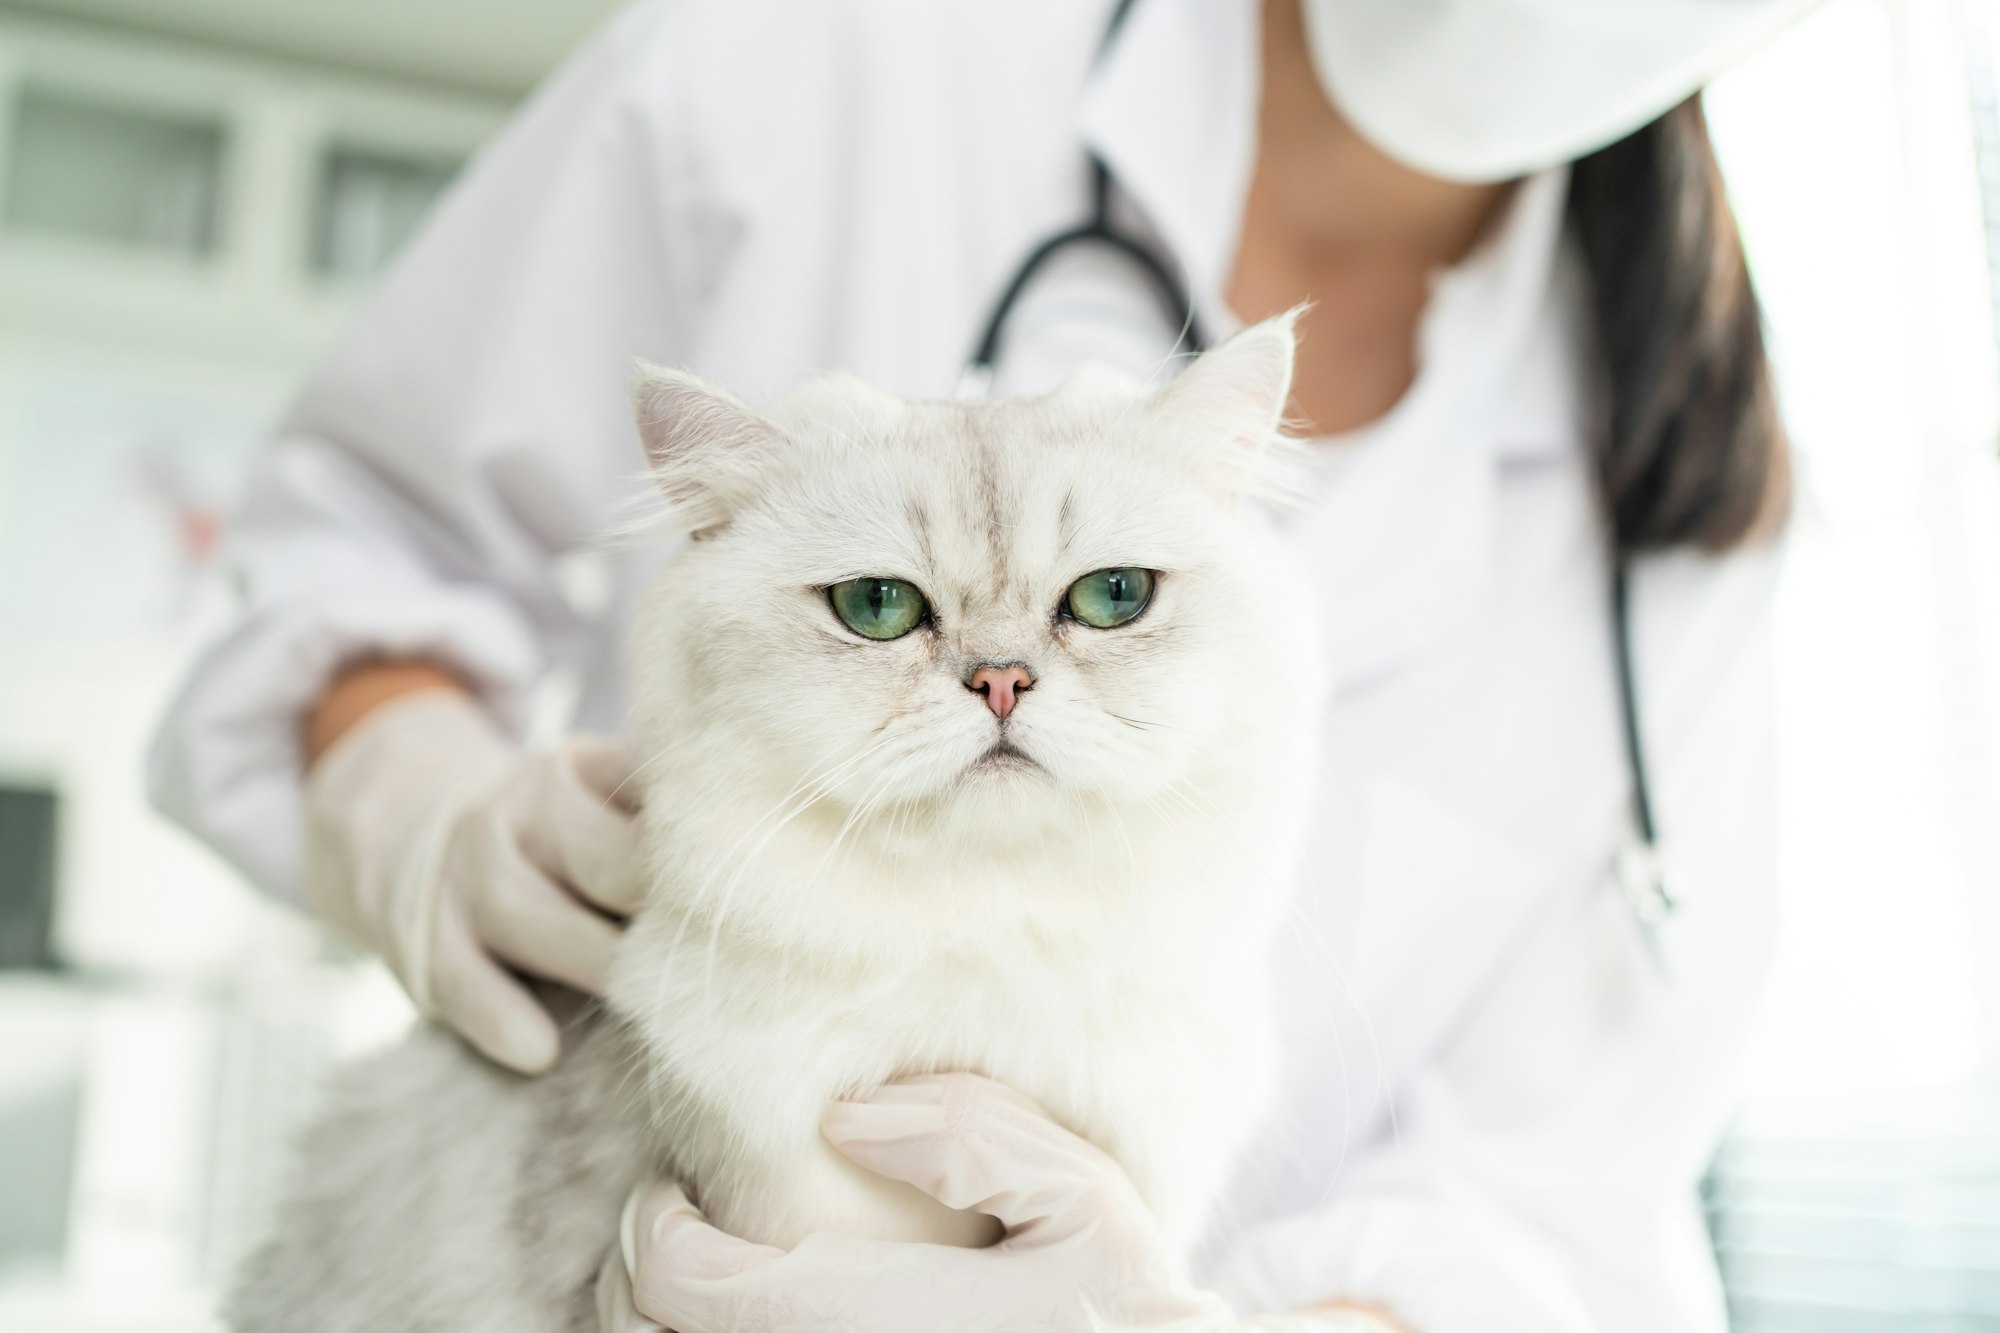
{"type": "Point", "coordinates": [475, 997]}
{"type": "Point", "coordinates": [608, 766]}
{"type": "Point", "coordinates": [685, 1272]}
{"type": "Point", "coordinates": [540, 928]}
{"type": "Point", "coordinates": [972, 1143]}
{"type": "Point", "coordinates": [582, 836]}
{"type": "Point", "coordinates": [825, 1281]}
{"type": "Point", "coordinates": [615, 1311]}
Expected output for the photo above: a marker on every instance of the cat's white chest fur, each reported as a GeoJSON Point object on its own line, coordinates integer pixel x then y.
{"type": "Point", "coordinates": [1151, 1040]}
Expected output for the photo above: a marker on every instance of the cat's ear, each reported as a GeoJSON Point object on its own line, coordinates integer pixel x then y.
{"type": "Point", "coordinates": [707, 450]}
{"type": "Point", "coordinates": [1230, 405]}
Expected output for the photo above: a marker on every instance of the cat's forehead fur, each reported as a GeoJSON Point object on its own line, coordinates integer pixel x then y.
{"type": "Point", "coordinates": [982, 504]}
{"type": "Point", "coordinates": [1212, 434]}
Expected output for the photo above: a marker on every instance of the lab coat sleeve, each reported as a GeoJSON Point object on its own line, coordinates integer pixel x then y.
{"type": "Point", "coordinates": [473, 425]}
{"type": "Point", "coordinates": [1542, 1172]}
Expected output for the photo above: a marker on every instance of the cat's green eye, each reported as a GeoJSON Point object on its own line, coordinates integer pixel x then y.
{"type": "Point", "coordinates": [878, 608]}
{"type": "Point", "coordinates": [1110, 597]}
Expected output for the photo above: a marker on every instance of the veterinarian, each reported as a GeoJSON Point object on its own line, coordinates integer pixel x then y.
{"type": "Point", "coordinates": [1518, 994]}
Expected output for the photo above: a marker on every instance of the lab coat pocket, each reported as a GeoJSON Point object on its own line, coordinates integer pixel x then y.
{"type": "Point", "coordinates": [1444, 900]}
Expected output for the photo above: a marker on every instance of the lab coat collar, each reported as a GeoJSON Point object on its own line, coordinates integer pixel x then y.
{"type": "Point", "coordinates": [1499, 335]}
{"type": "Point", "coordinates": [1405, 516]}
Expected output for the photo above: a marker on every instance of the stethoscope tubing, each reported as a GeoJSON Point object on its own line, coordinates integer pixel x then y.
{"type": "Point", "coordinates": [1098, 229]}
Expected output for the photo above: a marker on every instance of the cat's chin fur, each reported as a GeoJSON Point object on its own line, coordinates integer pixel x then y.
{"type": "Point", "coordinates": [849, 884]}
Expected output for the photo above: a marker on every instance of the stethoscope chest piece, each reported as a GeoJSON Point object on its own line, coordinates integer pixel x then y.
{"type": "Point", "coordinates": [1641, 878]}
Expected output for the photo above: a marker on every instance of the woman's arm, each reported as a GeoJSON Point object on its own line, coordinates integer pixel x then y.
{"type": "Point", "coordinates": [360, 690]}
{"type": "Point", "coordinates": [396, 557]}
{"type": "Point", "coordinates": [472, 426]}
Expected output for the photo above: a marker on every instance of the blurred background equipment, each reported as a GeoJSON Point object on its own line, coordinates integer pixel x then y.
{"type": "Point", "coordinates": [193, 195]}
{"type": "Point", "coordinates": [27, 875]}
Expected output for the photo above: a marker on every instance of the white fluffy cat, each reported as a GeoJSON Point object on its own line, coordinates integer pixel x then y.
{"type": "Point", "coordinates": [978, 738]}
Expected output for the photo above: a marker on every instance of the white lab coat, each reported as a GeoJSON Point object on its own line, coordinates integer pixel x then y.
{"type": "Point", "coordinates": [1498, 1107]}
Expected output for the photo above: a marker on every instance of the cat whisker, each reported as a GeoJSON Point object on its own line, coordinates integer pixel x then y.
{"type": "Point", "coordinates": [820, 787]}
{"type": "Point", "coordinates": [1332, 971]}
{"type": "Point", "coordinates": [1198, 797]}
{"type": "Point", "coordinates": [637, 772]}
{"type": "Point", "coordinates": [1145, 724]}
{"type": "Point", "coordinates": [863, 809]}
{"type": "Point", "coordinates": [814, 788]}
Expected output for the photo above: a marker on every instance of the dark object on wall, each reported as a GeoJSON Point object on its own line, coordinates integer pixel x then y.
{"type": "Point", "coordinates": [27, 875]}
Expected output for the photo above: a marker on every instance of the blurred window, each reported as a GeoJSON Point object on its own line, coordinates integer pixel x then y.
{"type": "Point", "coordinates": [370, 202]}
{"type": "Point", "coordinates": [145, 179]}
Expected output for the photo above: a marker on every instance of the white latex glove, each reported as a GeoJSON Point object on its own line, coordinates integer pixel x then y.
{"type": "Point", "coordinates": [434, 841]}
{"type": "Point", "coordinates": [1081, 1251]}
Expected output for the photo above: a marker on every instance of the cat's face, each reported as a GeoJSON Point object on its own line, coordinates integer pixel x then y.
{"type": "Point", "coordinates": [943, 619]}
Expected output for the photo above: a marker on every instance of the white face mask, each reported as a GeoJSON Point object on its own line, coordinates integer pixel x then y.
{"type": "Point", "coordinates": [1487, 90]}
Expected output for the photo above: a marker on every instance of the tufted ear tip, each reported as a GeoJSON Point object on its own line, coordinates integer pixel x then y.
{"type": "Point", "coordinates": [1234, 397]}
{"type": "Point", "coordinates": [652, 386]}
{"type": "Point", "coordinates": [1275, 331]}
{"type": "Point", "coordinates": [704, 446]}
{"type": "Point", "coordinates": [1255, 366]}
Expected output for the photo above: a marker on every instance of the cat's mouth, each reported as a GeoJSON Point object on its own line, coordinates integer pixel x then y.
{"type": "Point", "coordinates": [1004, 754]}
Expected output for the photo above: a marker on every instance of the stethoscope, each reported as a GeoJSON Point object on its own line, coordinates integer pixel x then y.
{"type": "Point", "coordinates": [1638, 872]}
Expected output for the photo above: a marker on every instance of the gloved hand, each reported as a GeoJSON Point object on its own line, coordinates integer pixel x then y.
{"type": "Point", "coordinates": [1081, 1251]}
{"type": "Point", "coordinates": [434, 841]}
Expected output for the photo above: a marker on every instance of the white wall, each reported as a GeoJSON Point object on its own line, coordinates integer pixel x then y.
{"type": "Point", "coordinates": [1849, 152]}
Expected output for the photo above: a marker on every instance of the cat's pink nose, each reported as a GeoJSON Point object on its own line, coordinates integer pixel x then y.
{"type": "Point", "coordinates": [1001, 685]}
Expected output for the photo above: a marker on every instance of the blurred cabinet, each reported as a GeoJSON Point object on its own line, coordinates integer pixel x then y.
{"type": "Point", "coordinates": [368, 204]}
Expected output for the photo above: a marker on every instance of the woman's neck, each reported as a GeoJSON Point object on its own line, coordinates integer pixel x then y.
{"type": "Point", "coordinates": [1332, 220]}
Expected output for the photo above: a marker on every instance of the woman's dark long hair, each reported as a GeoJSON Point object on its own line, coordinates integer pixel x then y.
{"type": "Point", "coordinates": [1689, 447]}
